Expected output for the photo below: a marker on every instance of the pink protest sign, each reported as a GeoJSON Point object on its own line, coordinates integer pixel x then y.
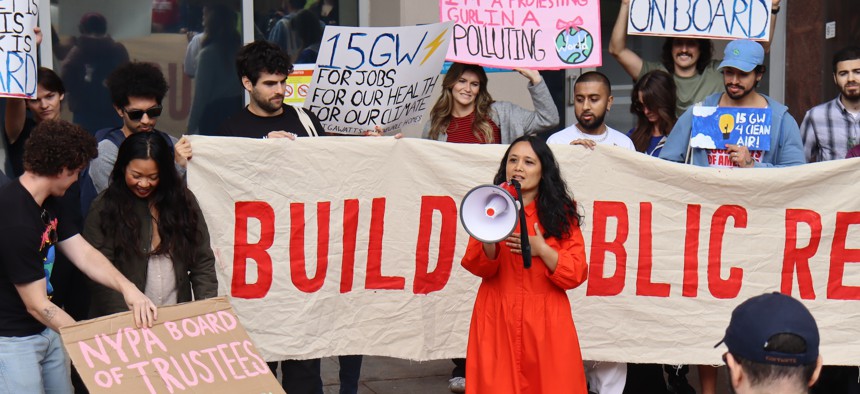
{"type": "Point", "coordinates": [197, 347]}
{"type": "Point", "coordinates": [538, 34]}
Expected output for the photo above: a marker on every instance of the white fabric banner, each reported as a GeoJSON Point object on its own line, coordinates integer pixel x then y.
{"type": "Point", "coordinates": [345, 245]}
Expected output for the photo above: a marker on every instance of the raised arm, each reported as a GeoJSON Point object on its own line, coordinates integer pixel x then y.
{"type": "Point", "coordinates": [629, 60]}
{"type": "Point", "coordinates": [523, 121]}
{"type": "Point", "coordinates": [16, 114]}
{"type": "Point", "coordinates": [766, 44]}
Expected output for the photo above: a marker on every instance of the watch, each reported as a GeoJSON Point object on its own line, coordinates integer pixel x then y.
{"type": "Point", "coordinates": [774, 10]}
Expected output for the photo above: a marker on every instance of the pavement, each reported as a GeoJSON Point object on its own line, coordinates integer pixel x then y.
{"type": "Point", "coordinates": [386, 375]}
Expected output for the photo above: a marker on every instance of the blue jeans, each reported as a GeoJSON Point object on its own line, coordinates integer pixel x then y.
{"type": "Point", "coordinates": [34, 364]}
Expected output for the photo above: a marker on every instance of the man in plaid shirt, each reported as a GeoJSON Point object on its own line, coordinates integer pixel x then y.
{"type": "Point", "coordinates": [831, 129]}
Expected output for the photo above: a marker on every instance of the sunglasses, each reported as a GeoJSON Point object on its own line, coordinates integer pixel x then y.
{"type": "Point", "coordinates": [137, 114]}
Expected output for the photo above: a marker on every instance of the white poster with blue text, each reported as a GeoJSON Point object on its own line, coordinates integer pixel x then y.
{"type": "Point", "coordinates": [376, 76]}
{"type": "Point", "coordinates": [725, 19]}
{"type": "Point", "coordinates": [18, 65]}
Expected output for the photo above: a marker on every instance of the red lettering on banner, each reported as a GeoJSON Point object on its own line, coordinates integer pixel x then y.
{"type": "Point", "coordinates": [298, 268]}
{"type": "Point", "coordinates": [644, 285]}
{"type": "Point", "coordinates": [598, 285]}
{"type": "Point", "coordinates": [427, 282]}
{"type": "Point", "coordinates": [375, 280]}
{"type": "Point", "coordinates": [797, 259]}
{"type": "Point", "coordinates": [691, 251]}
{"type": "Point", "coordinates": [350, 233]}
{"type": "Point", "coordinates": [242, 250]}
{"type": "Point", "coordinates": [719, 287]}
{"type": "Point", "coordinates": [839, 256]}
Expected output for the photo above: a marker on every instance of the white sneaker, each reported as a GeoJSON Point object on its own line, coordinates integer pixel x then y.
{"type": "Point", "coordinates": [457, 385]}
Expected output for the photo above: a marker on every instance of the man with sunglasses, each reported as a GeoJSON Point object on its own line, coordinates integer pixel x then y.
{"type": "Point", "coordinates": [772, 342]}
{"type": "Point", "coordinates": [34, 227]}
{"type": "Point", "coordinates": [136, 90]}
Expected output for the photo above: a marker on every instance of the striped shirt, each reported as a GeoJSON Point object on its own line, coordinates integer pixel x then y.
{"type": "Point", "coordinates": [460, 131]}
{"type": "Point", "coordinates": [829, 131]}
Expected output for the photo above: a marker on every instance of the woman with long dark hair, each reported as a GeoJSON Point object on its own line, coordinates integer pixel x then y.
{"type": "Point", "coordinates": [654, 106]}
{"type": "Point", "coordinates": [522, 337]}
{"type": "Point", "coordinates": [149, 225]}
{"type": "Point", "coordinates": [465, 111]}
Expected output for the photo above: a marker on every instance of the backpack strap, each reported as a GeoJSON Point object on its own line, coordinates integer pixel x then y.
{"type": "Point", "coordinates": [306, 121]}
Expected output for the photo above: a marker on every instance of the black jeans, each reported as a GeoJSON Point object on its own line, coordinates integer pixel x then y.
{"type": "Point", "coordinates": [300, 376]}
{"type": "Point", "coordinates": [350, 372]}
{"type": "Point", "coordinates": [459, 368]}
{"type": "Point", "coordinates": [303, 376]}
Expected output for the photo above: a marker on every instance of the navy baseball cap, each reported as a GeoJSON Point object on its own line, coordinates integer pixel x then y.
{"type": "Point", "coordinates": [743, 55]}
{"type": "Point", "coordinates": [756, 320]}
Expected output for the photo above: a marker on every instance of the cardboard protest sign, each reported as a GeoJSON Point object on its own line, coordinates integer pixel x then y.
{"type": "Point", "coordinates": [543, 35]}
{"type": "Point", "coordinates": [376, 76]}
{"type": "Point", "coordinates": [714, 127]}
{"type": "Point", "coordinates": [362, 255]}
{"type": "Point", "coordinates": [701, 18]}
{"type": "Point", "coordinates": [18, 67]}
{"type": "Point", "coordinates": [196, 347]}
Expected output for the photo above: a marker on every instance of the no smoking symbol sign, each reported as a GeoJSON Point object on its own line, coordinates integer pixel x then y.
{"type": "Point", "coordinates": [303, 90]}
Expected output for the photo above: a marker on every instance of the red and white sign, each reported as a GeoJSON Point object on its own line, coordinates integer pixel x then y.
{"type": "Point", "coordinates": [352, 246]}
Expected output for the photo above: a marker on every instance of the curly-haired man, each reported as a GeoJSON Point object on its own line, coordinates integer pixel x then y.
{"type": "Point", "coordinates": [136, 90]}
{"type": "Point", "coordinates": [32, 359]}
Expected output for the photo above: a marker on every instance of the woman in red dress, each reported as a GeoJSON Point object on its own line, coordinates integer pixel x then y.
{"type": "Point", "coordinates": [522, 338]}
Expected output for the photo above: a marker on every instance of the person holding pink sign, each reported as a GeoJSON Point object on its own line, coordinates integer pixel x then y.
{"type": "Point", "coordinates": [466, 112]}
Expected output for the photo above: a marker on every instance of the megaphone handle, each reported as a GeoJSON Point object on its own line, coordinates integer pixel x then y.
{"type": "Point", "coordinates": [524, 229]}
